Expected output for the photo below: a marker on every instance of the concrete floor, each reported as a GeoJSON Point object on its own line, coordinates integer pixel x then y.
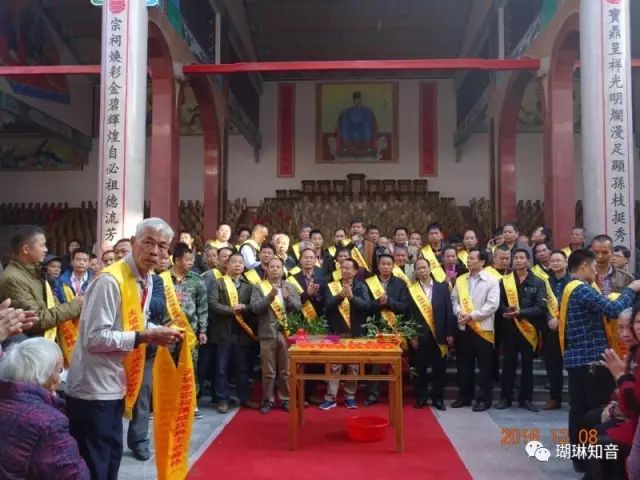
{"type": "Point", "coordinates": [478, 437]}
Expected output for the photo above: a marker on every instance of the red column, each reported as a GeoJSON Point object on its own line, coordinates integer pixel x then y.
{"type": "Point", "coordinates": [507, 136]}
{"type": "Point", "coordinates": [203, 91]}
{"type": "Point", "coordinates": [559, 161]}
{"type": "Point", "coordinates": [165, 132]}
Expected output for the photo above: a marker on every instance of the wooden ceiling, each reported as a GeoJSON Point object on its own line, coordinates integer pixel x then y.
{"type": "Point", "coordinates": [357, 29]}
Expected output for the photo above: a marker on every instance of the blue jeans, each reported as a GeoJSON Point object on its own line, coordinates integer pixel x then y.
{"type": "Point", "coordinates": [224, 353]}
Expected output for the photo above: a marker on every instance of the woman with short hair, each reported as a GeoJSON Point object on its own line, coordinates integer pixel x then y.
{"type": "Point", "coordinates": [34, 433]}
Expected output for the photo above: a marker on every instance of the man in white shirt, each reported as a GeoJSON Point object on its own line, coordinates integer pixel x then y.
{"type": "Point", "coordinates": [97, 380]}
{"type": "Point", "coordinates": [251, 247]}
{"type": "Point", "coordinates": [475, 297]}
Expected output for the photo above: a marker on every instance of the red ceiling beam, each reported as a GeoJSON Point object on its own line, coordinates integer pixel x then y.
{"type": "Point", "coordinates": [205, 69]}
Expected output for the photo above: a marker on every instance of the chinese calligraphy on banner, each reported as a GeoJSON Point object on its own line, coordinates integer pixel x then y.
{"type": "Point", "coordinates": [112, 130]}
{"type": "Point", "coordinates": [618, 154]}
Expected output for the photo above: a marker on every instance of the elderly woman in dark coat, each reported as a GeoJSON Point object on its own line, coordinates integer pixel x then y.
{"type": "Point", "coordinates": [34, 433]}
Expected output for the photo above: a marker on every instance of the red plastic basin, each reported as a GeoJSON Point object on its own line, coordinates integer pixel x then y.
{"type": "Point", "coordinates": [367, 428]}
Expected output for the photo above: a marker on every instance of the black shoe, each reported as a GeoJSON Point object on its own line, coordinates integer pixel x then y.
{"type": "Point", "coordinates": [481, 406]}
{"type": "Point", "coordinates": [371, 400]}
{"type": "Point", "coordinates": [141, 454]}
{"type": "Point", "coordinates": [285, 405]}
{"type": "Point", "coordinates": [438, 405]}
{"type": "Point", "coordinates": [502, 404]}
{"type": "Point", "coordinates": [461, 403]}
{"type": "Point", "coordinates": [266, 407]}
{"type": "Point", "coordinates": [420, 404]}
{"type": "Point", "coordinates": [527, 405]}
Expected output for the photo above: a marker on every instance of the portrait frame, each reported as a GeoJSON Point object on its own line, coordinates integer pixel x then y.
{"type": "Point", "coordinates": [334, 98]}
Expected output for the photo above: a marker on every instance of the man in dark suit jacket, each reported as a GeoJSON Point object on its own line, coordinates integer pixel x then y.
{"type": "Point", "coordinates": [312, 280]}
{"type": "Point", "coordinates": [231, 338]}
{"type": "Point", "coordinates": [392, 300]}
{"type": "Point", "coordinates": [430, 346]}
{"type": "Point", "coordinates": [357, 294]}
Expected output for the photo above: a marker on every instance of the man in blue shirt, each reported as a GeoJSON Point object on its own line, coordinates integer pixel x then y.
{"type": "Point", "coordinates": [590, 383]}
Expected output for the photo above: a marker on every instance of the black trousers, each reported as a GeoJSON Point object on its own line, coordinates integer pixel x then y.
{"type": "Point", "coordinates": [428, 355]}
{"type": "Point", "coordinates": [97, 427]}
{"type": "Point", "coordinates": [553, 363]}
{"type": "Point", "coordinates": [469, 347]}
{"type": "Point", "coordinates": [513, 345]}
{"type": "Point", "coordinates": [590, 387]}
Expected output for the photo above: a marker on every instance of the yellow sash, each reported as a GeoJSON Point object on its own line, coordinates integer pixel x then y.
{"type": "Point", "coordinates": [175, 310]}
{"type": "Point", "coordinates": [174, 403]}
{"type": "Point", "coordinates": [218, 244]}
{"type": "Point", "coordinates": [564, 305]}
{"type": "Point", "coordinates": [424, 305]}
{"type": "Point", "coordinates": [525, 327]}
{"type": "Point", "coordinates": [276, 306]}
{"type": "Point", "coordinates": [232, 292]}
{"type": "Point", "coordinates": [552, 301]}
{"type": "Point", "coordinates": [436, 269]}
{"type": "Point", "coordinates": [68, 331]}
{"type": "Point", "coordinates": [132, 321]}
{"type": "Point", "coordinates": [397, 272]}
{"type": "Point", "coordinates": [344, 308]}
{"type": "Point", "coordinates": [611, 327]}
{"type": "Point", "coordinates": [217, 274]}
{"type": "Point", "coordinates": [493, 272]}
{"type": "Point", "coordinates": [252, 276]}
{"type": "Point", "coordinates": [463, 256]}
{"type": "Point", "coordinates": [307, 307]}
{"type": "Point", "coordinates": [539, 272]}
{"type": "Point", "coordinates": [332, 250]}
{"type": "Point", "coordinates": [51, 333]}
{"type": "Point", "coordinates": [377, 291]}
{"type": "Point", "coordinates": [357, 256]}
{"type": "Point", "coordinates": [567, 251]}
{"type": "Point", "coordinates": [296, 250]}
{"type": "Point", "coordinates": [337, 274]}
{"type": "Point", "coordinates": [295, 270]}
{"type": "Point", "coordinates": [466, 306]}
{"type": "Point", "coordinates": [253, 244]}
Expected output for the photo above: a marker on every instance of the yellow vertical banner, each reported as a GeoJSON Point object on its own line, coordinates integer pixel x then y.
{"type": "Point", "coordinates": [174, 403]}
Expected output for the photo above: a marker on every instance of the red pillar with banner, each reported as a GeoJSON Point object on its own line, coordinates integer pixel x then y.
{"type": "Point", "coordinates": [428, 129]}
{"type": "Point", "coordinates": [286, 129]}
{"type": "Point", "coordinates": [165, 132]}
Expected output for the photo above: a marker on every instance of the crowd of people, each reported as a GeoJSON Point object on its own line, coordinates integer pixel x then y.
{"type": "Point", "coordinates": [77, 319]}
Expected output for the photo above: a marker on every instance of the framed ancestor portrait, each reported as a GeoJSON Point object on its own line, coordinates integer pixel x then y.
{"type": "Point", "coordinates": [357, 122]}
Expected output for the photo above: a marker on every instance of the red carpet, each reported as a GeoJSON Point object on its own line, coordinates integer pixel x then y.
{"type": "Point", "coordinates": [256, 447]}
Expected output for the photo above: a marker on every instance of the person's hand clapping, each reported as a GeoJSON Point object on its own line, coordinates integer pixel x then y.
{"type": "Point", "coordinates": [614, 363]}
{"type": "Point", "coordinates": [14, 322]}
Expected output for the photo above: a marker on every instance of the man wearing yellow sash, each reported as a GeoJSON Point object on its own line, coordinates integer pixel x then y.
{"type": "Point", "coordinates": [390, 297]}
{"type": "Point", "coordinates": [435, 242]}
{"type": "Point", "coordinates": [210, 257]}
{"type": "Point", "coordinates": [469, 241]}
{"type": "Point", "coordinates": [583, 339]}
{"type": "Point", "coordinates": [451, 266]}
{"type": "Point", "coordinates": [364, 252]}
{"type": "Point", "coordinates": [108, 359]}
{"type": "Point", "coordinates": [403, 269]}
{"type": "Point", "coordinates": [498, 268]}
{"type": "Point", "coordinates": [250, 248]}
{"type": "Point", "coordinates": [223, 235]}
{"type": "Point", "coordinates": [558, 280]}
{"type": "Point", "coordinates": [578, 236]}
{"type": "Point", "coordinates": [233, 331]}
{"type": "Point", "coordinates": [347, 305]}
{"type": "Point", "coordinates": [311, 283]}
{"type": "Point", "coordinates": [400, 238]}
{"type": "Point", "coordinates": [242, 235]}
{"type": "Point", "coordinates": [259, 273]}
{"type": "Point", "coordinates": [431, 308]}
{"type": "Point", "coordinates": [475, 299]}
{"type": "Point", "coordinates": [271, 300]}
{"type": "Point", "coordinates": [303, 235]}
{"type": "Point", "coordinates": [332, 264]}
{"type": "Point", "coordinates": [26, 286]}
{"type": "Point", "coordinates": [317, 242]}
{"type": "Point", "coordinates": [541, 254]}
{"type": "Point", "coordinates": [523, 311]}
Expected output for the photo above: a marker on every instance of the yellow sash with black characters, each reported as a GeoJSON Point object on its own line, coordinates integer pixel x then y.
{"type": "Point", "coordinates": [232, 293]}
{"type": "Point", "coordinates": [526, 328]}
{"type": "Point", "coordinates": [357, 256]}
{"type": "Point", "coordinates": [463, 256]}
{"type": "Point", "coordinates": [276, 307]}
{"type": "Point", "coordinates": [466, 307]}
{"type": "Point", "coordinates": [377, 291]}
{"type": "Point", "coordinates": [436, 269]}
{"type": "Point", "coordinates": [252, 276]}
{"type": "Point", "coordinates": [611, 327]}
{"type": "Point", "coordinates": [426, 309]}
{"type": "Point", "coordinates": [307, 307]}
{"type": "Point", "coordinates": [343, 307]}
{"type": "Point", "coordinates": [397, 272]}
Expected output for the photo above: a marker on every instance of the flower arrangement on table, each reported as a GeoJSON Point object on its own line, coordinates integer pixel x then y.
{"type": "Point", "coordinates": [404, 328]}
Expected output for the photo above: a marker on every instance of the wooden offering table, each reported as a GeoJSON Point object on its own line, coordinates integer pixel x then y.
{"type": "Point", "coordinates": [347, 351]}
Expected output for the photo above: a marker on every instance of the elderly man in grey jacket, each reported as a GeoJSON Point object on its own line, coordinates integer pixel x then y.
{"type": "Point", "coordinates": [272, 299]}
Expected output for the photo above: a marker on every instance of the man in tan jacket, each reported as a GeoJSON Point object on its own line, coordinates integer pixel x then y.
{"type": "Point", "coordinates": [25, 284]}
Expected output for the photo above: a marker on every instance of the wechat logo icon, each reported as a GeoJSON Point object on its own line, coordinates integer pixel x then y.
{"type": "Point", "coordinates": [537, 450]}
